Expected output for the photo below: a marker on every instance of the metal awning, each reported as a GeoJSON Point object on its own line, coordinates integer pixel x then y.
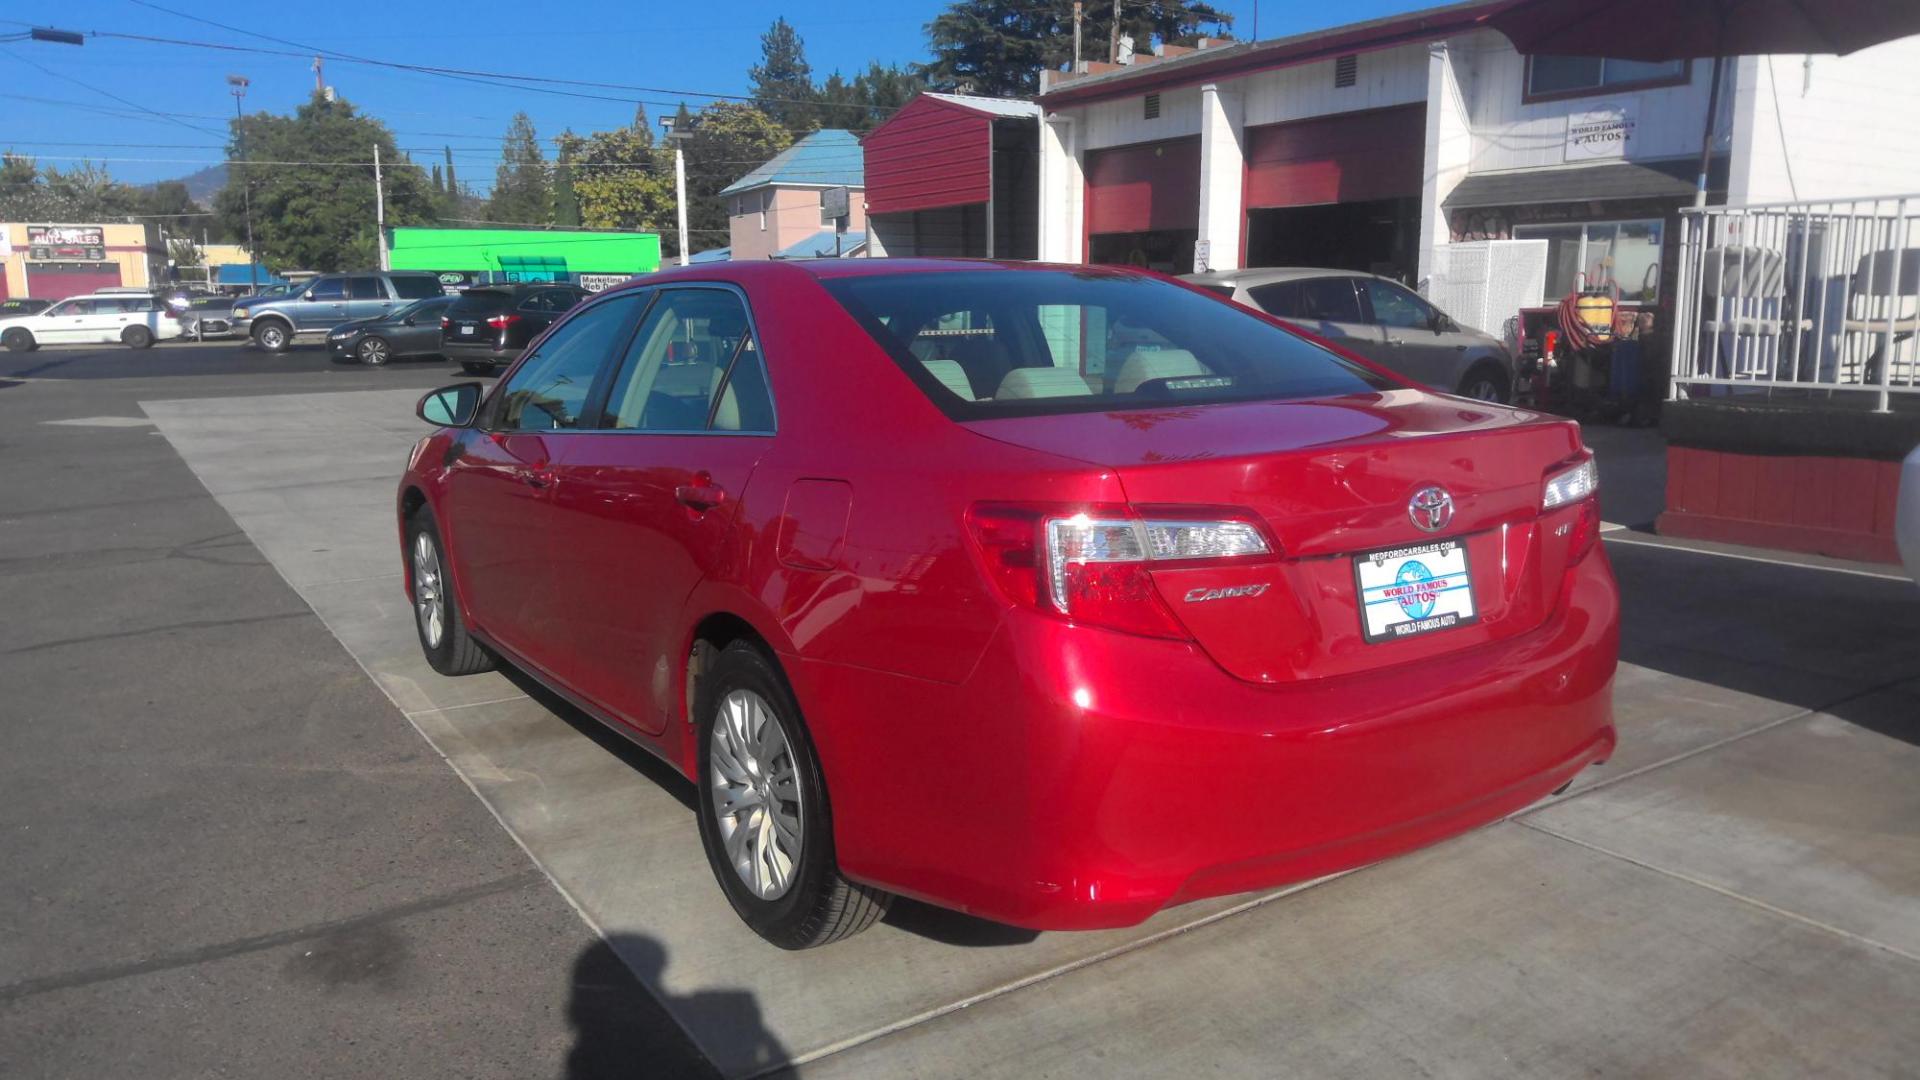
{"type": "Point", "coordinates": [1585, 183]}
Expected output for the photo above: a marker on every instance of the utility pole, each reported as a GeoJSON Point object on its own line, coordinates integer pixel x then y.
{"type": "Point", "coordinates": [319, 75]}
{"type": "Point", "coordinates": [1113, 36]}
{"type": "Point", "coordinates": [239, 83]}
{"type": "Point", "coordinates": [1077, 13]}
{"type": "Point", "coordinates": [379, 209]}
{"type": "Point", "coordinates": [677, 138]}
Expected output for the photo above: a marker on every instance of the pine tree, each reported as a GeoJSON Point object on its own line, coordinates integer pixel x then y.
{"type": "Point", "coordinates": [998, 47]}
{"type": "Point", "coordinates": [783, 80]}
{"type": "Point", "coordinates": [566, 199]}
{"type": "Point", "coordinates": [522, 185]}
{"type": "Point", "coordinates": [453, 184]}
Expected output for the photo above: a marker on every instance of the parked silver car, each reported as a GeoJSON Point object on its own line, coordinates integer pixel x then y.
{"type": "Point", "coordinates": [1378, 319]}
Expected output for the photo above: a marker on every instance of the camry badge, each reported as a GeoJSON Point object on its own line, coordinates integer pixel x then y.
{"type": "Point", "coordinates": [1431, 509]}
{"type": "Point", "coordinates": [1195, 596]}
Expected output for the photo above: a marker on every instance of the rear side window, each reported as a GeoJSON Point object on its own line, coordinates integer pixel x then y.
{"type": "Point", "coordinates": [415, 288]}
{"type": "Point", "coordinates": [694, 366]}
{"type": "Point", "coordinates": [1033, 342]}
{"type": "Point", "coordinates": [480, 302]}
{"type": "Point", "coordinates": [1281, 299]}
{"type": "Point", "coordinates": [365, 288]}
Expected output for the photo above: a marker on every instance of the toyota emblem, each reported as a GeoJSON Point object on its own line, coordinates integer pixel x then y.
{"type": "Point", "coordinates": [1431, 508]}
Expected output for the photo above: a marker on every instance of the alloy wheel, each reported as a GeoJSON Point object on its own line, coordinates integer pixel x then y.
{"type": "Point", "coordinates": [756, 794]}
{"type": "Point", "coordinates": [373, 352]}
{"type": "Point", "coordinates": [429, 592]}
{"type": "Point", "coordinates": [1484, 389]}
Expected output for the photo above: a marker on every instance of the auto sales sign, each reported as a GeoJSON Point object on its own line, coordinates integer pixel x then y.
{"type": "Point", "coordinates": [1605, 131]}
{"type": "Point", "coordinates": [67, 242]}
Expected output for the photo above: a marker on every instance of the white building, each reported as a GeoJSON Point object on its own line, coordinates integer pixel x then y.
{"type": "Point", "coordinates": [1367, 146]}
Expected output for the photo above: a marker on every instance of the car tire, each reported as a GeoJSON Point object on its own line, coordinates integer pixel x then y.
{"type": "Point", "coordinates": [808, 904]}
{"type": "Point", "coordinates": [137, 337]}
{"type": "Point", "coordinates": [374, 352]}
{"type": "Point", "coordinates": [476, 369]}
{"type": "Point", "coordinates": [1486, 382]}
{"type": "Point", "coordinates": [442, 629]}
{"type": "Point", "coordinates": [272, 336]}
{"type": "Point", "coordinates": [19, 339]}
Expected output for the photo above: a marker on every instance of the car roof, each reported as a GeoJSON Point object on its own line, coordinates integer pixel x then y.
{"type": "Point", "coordinates": [775, 271]}
{"type": "Point", "coordinates": [1267, 275]}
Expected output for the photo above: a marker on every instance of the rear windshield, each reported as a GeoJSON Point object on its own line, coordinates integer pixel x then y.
{"type": "Point", "coordinates": [481, 302]}
{"type": "Point", "coordinates": [1023, 343]}
{"type": "Point", "coordinates": [416, 288]}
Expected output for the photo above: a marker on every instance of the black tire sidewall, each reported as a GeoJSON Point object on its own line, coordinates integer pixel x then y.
{"type": "Point", "coordinates": [136, 337]}
{"type": "Point", "coordinates": [440, 657]}
{"type": "Point", "coordinates": [472, 368]}
{"type": "Point", "coordinates": [745, 666]}
{"type": "Point", "coordinates": [17, 339]}
{"type": "Point", "coordinates": [1490, 372]}
{"type": "Point", "coordinates": [386, 352]}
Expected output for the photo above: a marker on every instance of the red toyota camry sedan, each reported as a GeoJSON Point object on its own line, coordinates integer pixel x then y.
{"type": "Point", "coordinates": [1052, 594]}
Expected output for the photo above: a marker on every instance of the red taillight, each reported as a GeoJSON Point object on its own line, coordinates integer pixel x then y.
{"type": "Point", "coordinates": [445, 322]}
{"type": "Point", "coordinates": [501, 322]}
{"type": "Point", "coordinates": [1586, 531]}
{"type": "Point", "coordinates": [1092, 564]}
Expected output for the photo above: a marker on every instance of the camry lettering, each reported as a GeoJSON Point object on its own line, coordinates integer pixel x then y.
{"type": "Point", "coordinates": [1230, 592]}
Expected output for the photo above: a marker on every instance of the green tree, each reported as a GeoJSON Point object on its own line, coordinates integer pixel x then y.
{"type": "Point", "coordinates": [522, 185]}
{"type": "Point", "coordinates": [83, 192]}
{"type": "Point", "coordinates": [783, 80]}
{"type": "Point", "coordinates": [729, 140]}
{"type": "Point", "coordinates": [998, 47]}
{"type": "Point", "coordinates": [566, 200]}
{"type": "Point", "coordinates": [320, 216]}
{"type": "Point", "coordinates": [865, 101]}
{"type": "Point", "coordinates": [618, 180]}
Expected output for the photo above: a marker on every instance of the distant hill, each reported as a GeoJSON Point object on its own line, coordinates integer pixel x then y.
{"type": "Point", "coordinates": [205, 184]}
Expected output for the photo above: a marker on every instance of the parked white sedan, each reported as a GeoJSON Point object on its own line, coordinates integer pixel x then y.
{"type": "Point", "coordinates": [1906, 527]}
{"type": "Point", "coordinates": [135, 321]}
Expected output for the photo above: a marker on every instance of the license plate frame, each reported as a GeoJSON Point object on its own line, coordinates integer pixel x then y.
{"type": "Point", "coordinates": [1393, 613]}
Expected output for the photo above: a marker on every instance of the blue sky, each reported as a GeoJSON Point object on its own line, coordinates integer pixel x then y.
{"type": "Point", "coordinates": [687, 47]}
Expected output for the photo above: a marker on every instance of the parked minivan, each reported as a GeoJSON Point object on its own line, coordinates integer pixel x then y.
{"type": "Point", "coordinates": [327, 301]}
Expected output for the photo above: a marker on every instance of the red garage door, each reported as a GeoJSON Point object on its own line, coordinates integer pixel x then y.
{"type": "Point", "coordinates": [1144, 188]}
{"type": "Point", "coordinates": [57, 281]}
{"type": "Point", "coordinates": [1355, 157]}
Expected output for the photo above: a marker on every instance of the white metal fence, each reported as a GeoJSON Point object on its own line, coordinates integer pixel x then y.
{"type": "Point", "coordinates": [1800, 298]}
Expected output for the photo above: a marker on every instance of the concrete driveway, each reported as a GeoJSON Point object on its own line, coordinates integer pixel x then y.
{"type": "Point", "coordinates": [1736, 894]}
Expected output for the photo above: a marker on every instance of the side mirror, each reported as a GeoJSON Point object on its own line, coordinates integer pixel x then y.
{"type": "Point", "coordinates": [453, 406]}
{"type": "Point", "coordinates": [1440, 323]}
{"type": "Point", "coordinates": [409, 320]}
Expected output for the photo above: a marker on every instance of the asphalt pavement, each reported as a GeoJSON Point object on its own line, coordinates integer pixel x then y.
{"type": "Point", "coordinates": [247, 833]}
{"type": "Point", "coordinates": [226, 852]}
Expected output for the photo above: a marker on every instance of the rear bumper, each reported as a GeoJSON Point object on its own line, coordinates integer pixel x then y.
{"type": "Point", "coordinates": [478, 354]}
{"type": "Point", "coordinates": [1081, 779]}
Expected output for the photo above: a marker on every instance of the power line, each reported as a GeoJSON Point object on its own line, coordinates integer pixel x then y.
{"type": "Point", "coordinates": [87, 86]}
{"type": "Point", "coordinates": [491, 78]}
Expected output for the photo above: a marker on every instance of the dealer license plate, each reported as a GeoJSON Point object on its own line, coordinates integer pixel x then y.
{"type": "Point", "coordinates": [1407, 591]}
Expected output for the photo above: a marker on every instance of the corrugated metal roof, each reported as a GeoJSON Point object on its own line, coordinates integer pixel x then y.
{"type": "Point", "coordinates": [821, 244]}
{"type": "Point", "coordinates": [1671, 179]}
{"type": "Point", "coordinates": [995, 106]}
{"type": "Point", "coordinates": [711, 255]}
{"type": "Point", "coordinates": [829, 157]}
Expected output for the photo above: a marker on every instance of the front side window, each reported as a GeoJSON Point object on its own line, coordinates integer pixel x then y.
{"type": "Point", "coordinates": [549, 390]}
{"type": "Point", "coordinates": [1396, 307]}
{"type": "Point", "coordinates": [69, 307]}
{"type": "Point", "coordinates": [328, 289]}
{"type": "Point", "coordinates": [1571, 75]}
{"type": "Point", "coordinates": [694, 366]}
{"type": "Point", "coordinates": [1005, 343]}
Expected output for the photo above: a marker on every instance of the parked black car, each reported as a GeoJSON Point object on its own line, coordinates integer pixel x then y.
{"type": "Point", "coordinates": [488, 327]}
{"type": "Point", "coordinates": [20, 305]}
{"type": "Point", "coordinates": [414, 330]}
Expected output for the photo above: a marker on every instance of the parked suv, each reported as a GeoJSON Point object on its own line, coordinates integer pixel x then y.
{"type": "Point", "coordinates": [1378, 319]}
{"type": "Point", "coordinates": [489, 327]}
{"type": "Point", "coordinates": [326, 302]}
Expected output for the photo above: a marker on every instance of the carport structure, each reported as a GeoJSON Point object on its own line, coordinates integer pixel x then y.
{"type": "Point", "coordinates": [954, 174]}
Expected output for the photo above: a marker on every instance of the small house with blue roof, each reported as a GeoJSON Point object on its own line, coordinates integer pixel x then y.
{"type": "Point", "coordinates": [775, 208]}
